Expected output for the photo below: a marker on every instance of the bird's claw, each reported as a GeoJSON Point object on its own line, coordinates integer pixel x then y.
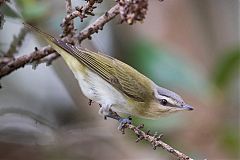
{"type": "Point", "coordinates": [123, 122]}
{"type": "Point", "coordinates": [90, 102]}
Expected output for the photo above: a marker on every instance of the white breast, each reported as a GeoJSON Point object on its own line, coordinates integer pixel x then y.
{"type": "Point", "coordinates": [100, 91]}
{"type": "Point", "coordinates": [93, 86]}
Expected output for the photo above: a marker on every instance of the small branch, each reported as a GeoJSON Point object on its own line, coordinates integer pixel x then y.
{"type": "Point", "coordinates": [155, 139]}
{"type": "Point", "coordinates": [5, 60]}
{"type": "Point", "coordinates": [49, 59]}
{"type": "Point", "coordinates": [2, 20]}
{"type": "Point", "coordinates": [46, 51]}
{"type": "Point", "coordinates": [68, 27]}
{"type": "Point", "coordinates": [85, 33]}
{"type": "Point", "coordinates": [80, 11]}
{"type": "Point", "coordinates": [17, 42]}
{"type": "Point", "coordinates": [98, 24]}
{"type": "Point", "coordinates": [133, 11]}
{"type": "Point", "coordinates": [23, 60]}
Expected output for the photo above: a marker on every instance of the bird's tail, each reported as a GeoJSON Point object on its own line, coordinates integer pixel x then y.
{"type": "Point", "coordinates": [43, 34]}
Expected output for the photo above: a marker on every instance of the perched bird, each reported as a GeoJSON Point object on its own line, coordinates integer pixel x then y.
{"type": "Point", "coordinates": [114, 84]}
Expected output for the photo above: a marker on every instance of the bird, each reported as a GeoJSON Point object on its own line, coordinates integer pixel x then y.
{"type": "Point", "coordinates": [115, 85]}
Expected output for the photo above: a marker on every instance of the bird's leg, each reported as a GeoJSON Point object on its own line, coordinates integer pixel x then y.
{"type": "Point", "coordinates": [124, 121]}
{"type": "Point", "coordinates": [90, 102]}
{"type": "Point", "coordinates": [106, 111]}
{"type": "Point", "coordinates": [120, 119]}
{"type": "Point", "coordinates": [113, 115]}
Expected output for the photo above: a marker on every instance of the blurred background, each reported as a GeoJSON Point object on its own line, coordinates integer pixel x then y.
{"type": "Point", "coordinates": [188, 46]}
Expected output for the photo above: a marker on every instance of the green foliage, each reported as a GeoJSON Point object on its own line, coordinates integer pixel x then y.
{"type": "Point", "coordinates": [226, 68]}
{"type": "Point", "coordinates": [229, 139]}
{"type": "Point", "coordinates": [8, 11]}
{"type": "Point", "coordinates": [165, 123]}
{"type": "Point", "coordinates": [166, 68]}
{"type": "Point", "coordinates": [33, 9]}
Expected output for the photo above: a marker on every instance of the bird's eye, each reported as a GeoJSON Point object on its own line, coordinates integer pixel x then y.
{"type": "Point", "coordinates": [163, 102]}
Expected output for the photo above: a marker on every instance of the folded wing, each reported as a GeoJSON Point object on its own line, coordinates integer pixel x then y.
{"type": "Point", "coordinates": [123, 77]}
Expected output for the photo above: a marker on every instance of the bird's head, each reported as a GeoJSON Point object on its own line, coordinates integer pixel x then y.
{"type": "Point", "coordinates": [167, 102]}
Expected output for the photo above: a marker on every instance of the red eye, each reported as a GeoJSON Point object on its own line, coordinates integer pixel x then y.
{"type": "Point", "coordinates": [163, 102]}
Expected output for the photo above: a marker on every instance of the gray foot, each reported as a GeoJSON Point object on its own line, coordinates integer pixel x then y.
{"type": "Point", "coordinates": [124, 121]}
{"type": "Point", "coordinates": [121, 120]}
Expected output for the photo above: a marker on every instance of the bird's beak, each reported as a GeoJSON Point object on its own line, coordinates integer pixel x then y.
{"type": "Point", "coordinates": [187, 107]}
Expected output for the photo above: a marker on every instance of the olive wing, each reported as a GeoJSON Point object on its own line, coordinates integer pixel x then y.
{"type": "Point", "coordinates": [123, 77]}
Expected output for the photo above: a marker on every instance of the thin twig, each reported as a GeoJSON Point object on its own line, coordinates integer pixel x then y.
{"type": "Point", "coordinates": [2, 20]}
{"type": "Point", "coordinates": [133, 10]}
{"type": "Point", "coordinates": [5, 60]}
{"type": "Point", "coordinates": [25, 59]}
{"type": "Point", "coordinates": [46, 51]}
{"type": "Point", "coordinates": [154, 140]}
{"type": "Point", "coordinates": [68, 28]}
{"type": "Point", "coordinates": [80, 11]}
{"type": "Point", "coordinates": [17, 42]}
{"type": "Point", "coordinates": [98, 24]}
{"type": "Point", "coordinates": [49, 59]}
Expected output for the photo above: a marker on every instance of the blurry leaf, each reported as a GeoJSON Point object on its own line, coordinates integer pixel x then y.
{"type": "Point", "coordinates": [16, 43]}
{"type": "Point", "coordinates": [226, 67]}
{"type": "Point", "coordinates": [32, 9]}
{"type": "Point", "coordinates": [229, 139]}
{"type": "Point", "coordinates": [167, 69]}
{"type": "Point", "coordinates": [8, 11]}
{"type": "Point", "coordinates": [166, 123]}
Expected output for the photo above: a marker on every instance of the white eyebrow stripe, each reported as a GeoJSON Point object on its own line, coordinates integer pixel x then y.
{"type": "Point", "coordinates": [167, 93]}
{"type": "Point", "coordinates": [171, 103]}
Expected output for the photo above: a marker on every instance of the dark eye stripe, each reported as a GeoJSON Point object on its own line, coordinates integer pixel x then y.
{"type": "Point", "coordinates": [164, 102]}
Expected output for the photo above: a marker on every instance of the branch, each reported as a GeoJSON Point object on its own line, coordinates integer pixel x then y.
{"type": "Point", "coordinates": [133, 11]}
{"type": "Point", "coordinates": [17, 42]}
{"type": "Point", "coordinates": [5, 60]}
{"type": "Point", "coordinates": [155, 139]}
{"type": "Point", "coordinates": [80, 11]}
{"type": "Point", "coordinates": [2, 20]}
{"type": "Point", "coordinates": [85, 33]}
{"type": "Point", "coordinates": [46, 51]}
{"type": "Point", "coordinates": [98, 24]}
{"type": "Point", "coordinates": [68, 27]}
{"type": "Point", "coordinates": [49, 59]}
{"type": "Point", "coordinates": [23, 60]}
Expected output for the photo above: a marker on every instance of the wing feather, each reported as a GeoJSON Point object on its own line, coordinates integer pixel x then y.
{"type": "Point", "coordinates": [123, 77]}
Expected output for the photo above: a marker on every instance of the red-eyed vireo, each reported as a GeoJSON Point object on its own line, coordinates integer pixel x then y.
{"type": "Point", "coordinates": [114, 84]}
